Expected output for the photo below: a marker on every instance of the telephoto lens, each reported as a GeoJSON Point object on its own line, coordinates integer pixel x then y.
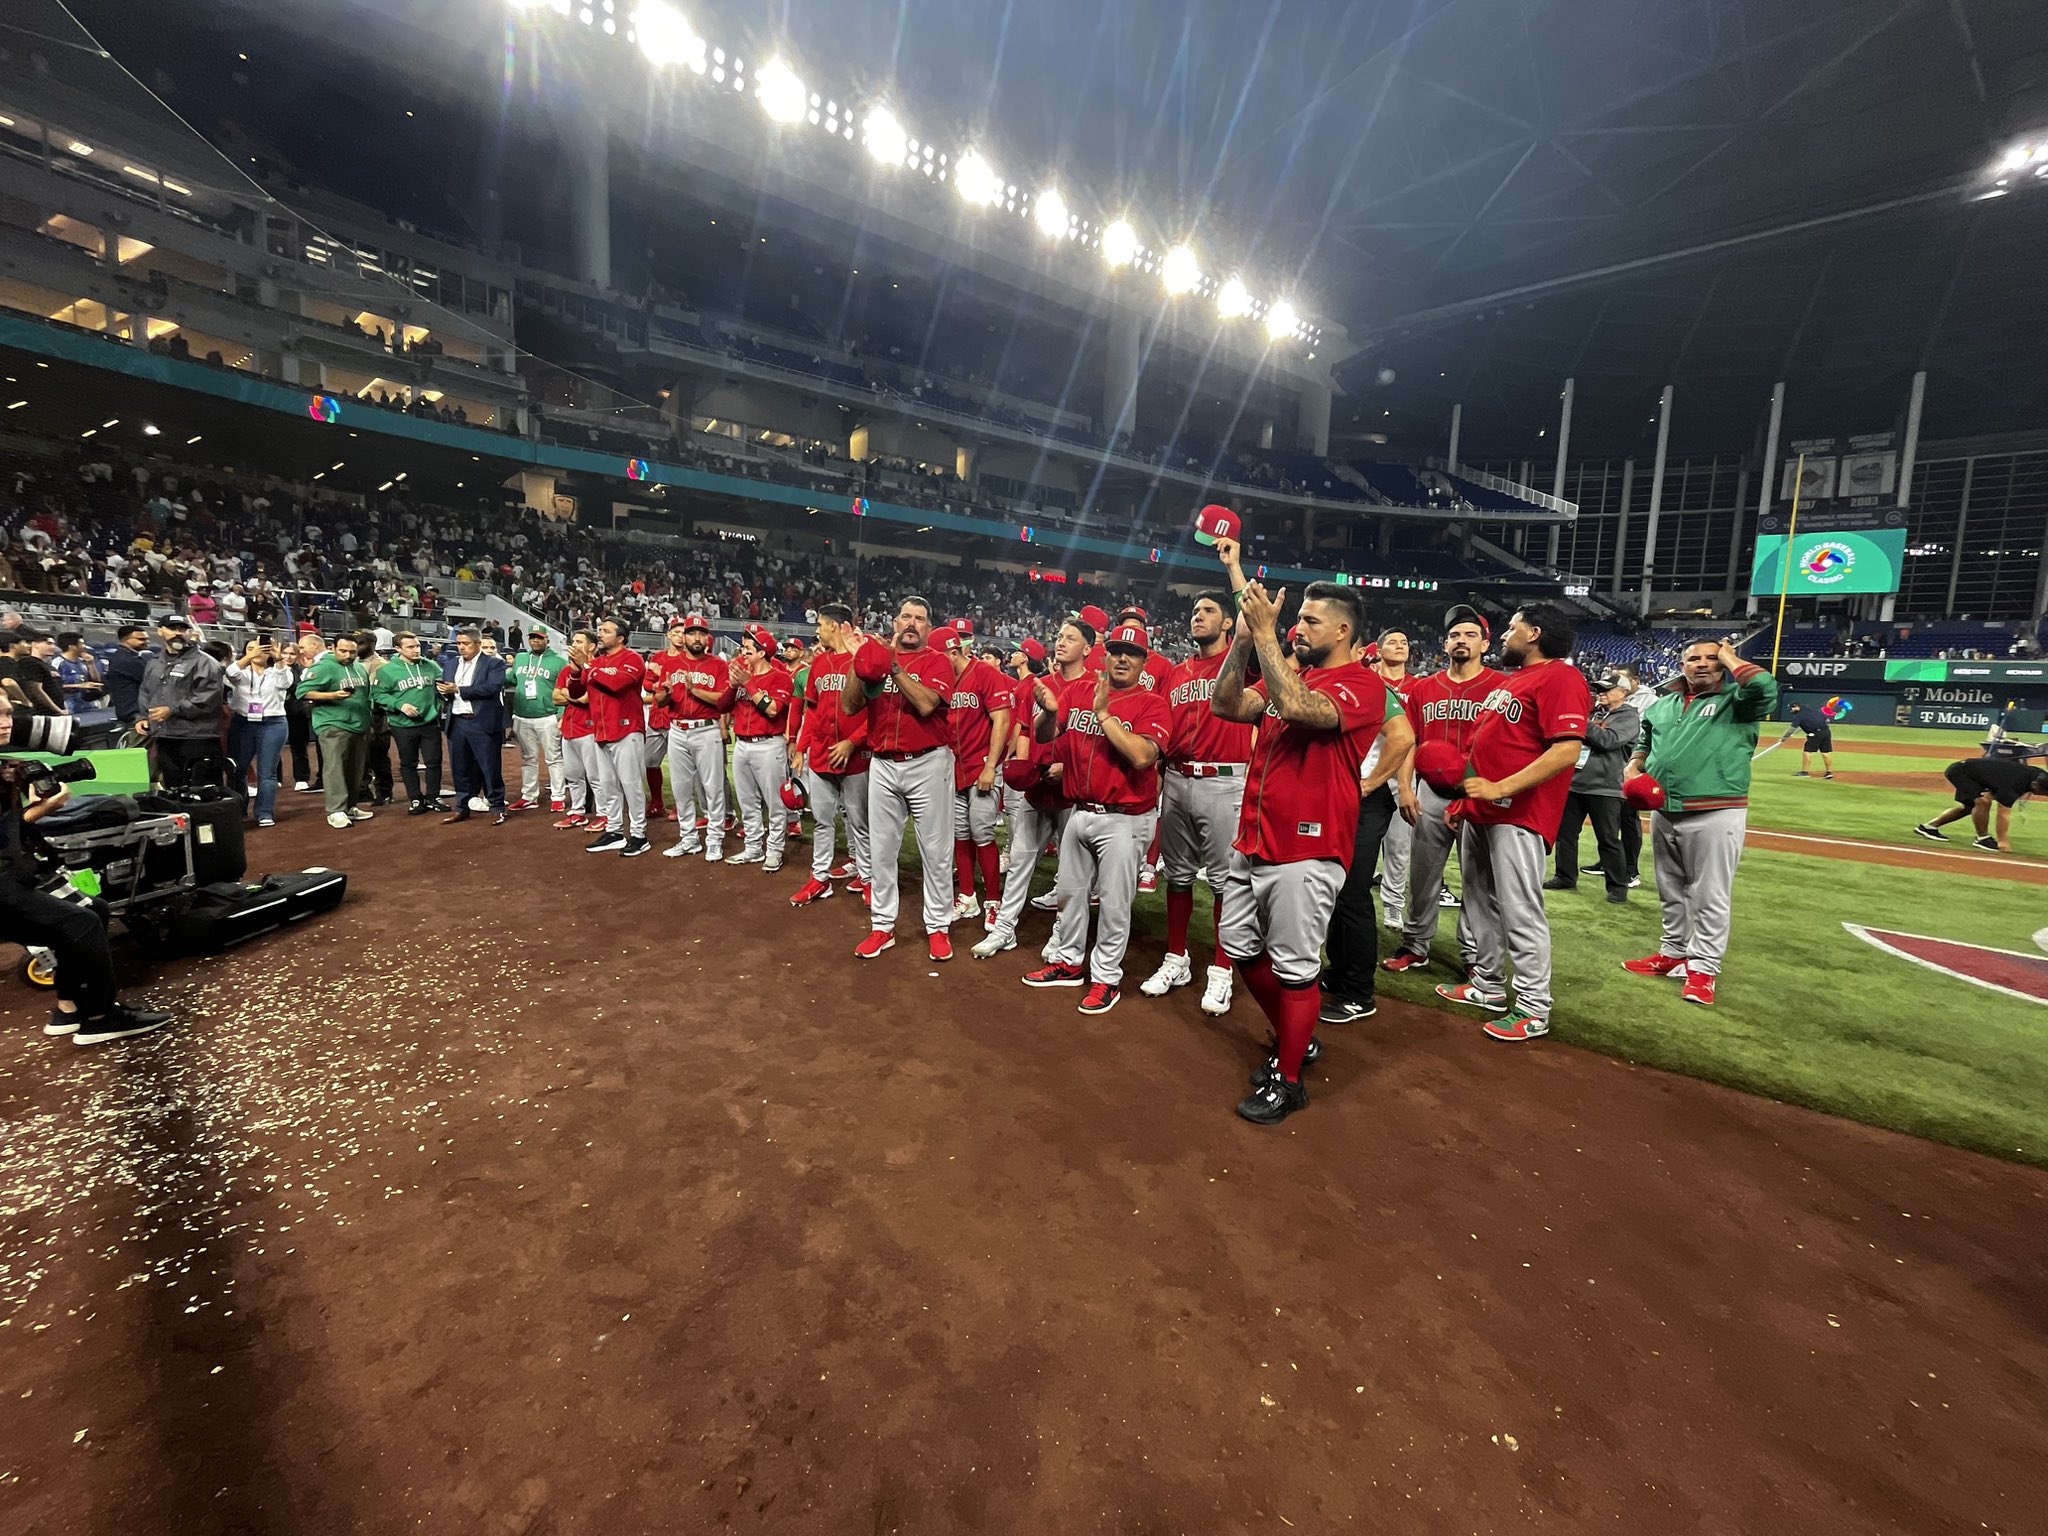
{"type": "Point", "coordinates": [40, 733]}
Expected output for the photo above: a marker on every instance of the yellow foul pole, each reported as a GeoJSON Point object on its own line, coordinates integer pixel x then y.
{"type": "Point", "coordinates": [1785, 563]}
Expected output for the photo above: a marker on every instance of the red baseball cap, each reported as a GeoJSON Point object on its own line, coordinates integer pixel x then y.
{"type": "Point", "coordinates": [677, 621]}
{"type": "Point", "coordinates": [1215, 522]}
{"type": "Point", "coordinates": [693, 621]}
{"type": "Point", "coordinates": [1128, 637]}
{"type": "Point", "coordinates": [1034, 650]}
{"type": "Point", "coordinates": [871, 663]}
{"type": "Point", "coordinates": [1134, 612]}
{"type": "Point", "coordinates": [758, 633]}
{"type": "Point", "coordinates": [961, 626]}
{"type": "Point", "coordinates": [945, 639]}
{"type": "Point", "coordinates": [1371, 651]}
{"type": "Point", "coordinates": [1440, 765]}
{"type": "Point", "coordinates": [1094, 618]}
{"type": "Point", "coordinates": [1644, 793]}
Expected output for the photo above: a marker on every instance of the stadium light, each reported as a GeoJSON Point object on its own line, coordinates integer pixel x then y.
{"type": "Point", "coordinates": [977, 180]}
{"type": "Point", "coordinates": [1049, 212]}
{"type": "Point", "coordinates": [1281, 321]}
{"type": "Point", "coordinates": [783, 96]}
{"type": "Point", "coordinates": [886, 140]}
{"type": "Point", "coordinates": [1181, 271]}
{"type": "Point", "coordinates": [1120, 244]}
{"type": "Point", "coordinates": [1233, 299]}
{"type": "Point", "coordinates": [666, 38]}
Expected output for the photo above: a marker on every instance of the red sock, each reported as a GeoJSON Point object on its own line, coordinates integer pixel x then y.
{"type": "Point", "coordinates": [1265, 987]}
{"type": "Point", "coordinates": [1296, 1026]}
{"type": "Point", "coordinates": [1180, 911]}
{"type": "Point", "coordinates": [1152, 853]}
{"type": "Point", "coordinates": [654, 806]}
{"type": "Point", "coordinates": [991, 860]}
{"type": "Point", "coordinates": [963, 865]}
{"type": "Point", "coordinates": [1222, 960]}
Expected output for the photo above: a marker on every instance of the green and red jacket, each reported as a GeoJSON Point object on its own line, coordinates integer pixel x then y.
{"type": "Point", "coordinates": [1699, 746]}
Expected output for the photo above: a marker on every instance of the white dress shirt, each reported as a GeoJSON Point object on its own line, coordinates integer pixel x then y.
{"type": "Point", "coordinates": [465, 675]}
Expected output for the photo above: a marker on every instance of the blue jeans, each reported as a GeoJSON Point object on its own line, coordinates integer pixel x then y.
{"type": "Point", "coordinates": [261, 743]}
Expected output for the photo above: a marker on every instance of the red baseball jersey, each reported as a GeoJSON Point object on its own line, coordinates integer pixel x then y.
{"type": "Point", "coordinates": [659, 666]}
{"type": "Point", "coordinates": [1533, 708]}
{"type": "Point", "coordinates": [825, 723]}
{"type": "Point", "coordinates": [1301, 791]}
{"type": "Point", "coordinates": [1442, 709]}
{"type": "Point", "coordinates": [970, 711]}
{"type": "Point", "coordinates": [752, 722]}
{"type": "Point", "coordinates": [893, 726]}
{"type": "Point", "coordinates": [1155, 672]}
{"type": "Point", "coordinates": [1091, 769]}
{"type": "Point", "coordinates": [575, 713]}
{"type": "Point", "coordinates": [682, 673]}
{"type": "Point", "coordinates": [1200, 735]}
{"type": "Point", "coordinates": [611, 683]}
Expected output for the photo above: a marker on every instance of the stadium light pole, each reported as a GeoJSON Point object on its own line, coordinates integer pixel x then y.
{"type": "Point", "coordinates": [1656, 498]}
{"type": "Point", "coordinates": [1770, 477]}
{"type": "Point", "coordinates": [1907, 459]}
{"type": "Point", "coordinates": [1564, 441]}
{"type": "Point", "coordinates": [1628, 491]}
{"type": "Point", "coordinates": [1457, 425]}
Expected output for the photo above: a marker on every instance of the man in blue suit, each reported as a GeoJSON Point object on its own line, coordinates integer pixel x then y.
{"type": "Point", "coordinates": [474, 690]}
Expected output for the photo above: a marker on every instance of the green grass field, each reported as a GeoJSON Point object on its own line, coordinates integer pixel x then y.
{"type": "Point", "coordinates": [1807, 1012]}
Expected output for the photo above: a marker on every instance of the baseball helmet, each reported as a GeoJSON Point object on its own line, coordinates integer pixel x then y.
{"type": "Point", "coordinates": [1440, 765]}
{"type": "Point", "coordinates": [1644, 793]}
{"type": "Point", "coordinates": [794, 796]}
{"type": "Point", "coordinates": [872, 661]}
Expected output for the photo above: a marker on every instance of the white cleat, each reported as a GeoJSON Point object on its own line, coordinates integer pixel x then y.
{"type": "Point", "coordinates": [1174, 971]}
{"type": "Point", "coordinates": [998, 941]}
{"type": "Point", "coordinates": [677, 851]}
{"type": "Point", "coordinates": [965, 908]}
{"type": "Point", "coordinates": [1216, 991]}
{"type": "Point", "coordinates": [1049, 902]}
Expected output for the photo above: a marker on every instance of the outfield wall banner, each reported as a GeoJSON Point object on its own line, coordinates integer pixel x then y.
{"type": "Point", "coordinates": [1834, 564]}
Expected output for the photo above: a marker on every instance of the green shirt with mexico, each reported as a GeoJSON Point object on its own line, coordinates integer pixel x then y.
{"type": "Point", "coordinates": [330, 675]}
{"type": "Point", "coordinates": [533, 684]}
{"type": "Point", "coordinates": [401, 682]}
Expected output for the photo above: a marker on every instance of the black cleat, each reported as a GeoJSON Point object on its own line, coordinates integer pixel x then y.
{"type": "Point", "coordinates": [1273, 1101]}
{"type": "Point", "coordinates": [1269, 1070]}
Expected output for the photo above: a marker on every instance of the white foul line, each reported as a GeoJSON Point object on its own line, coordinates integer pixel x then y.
{"type": "Point", "coordinates": [1925, 853]}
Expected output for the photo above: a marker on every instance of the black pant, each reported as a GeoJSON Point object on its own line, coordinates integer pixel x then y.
{"type": "Point", "coordinates": [419, 744]}
{"type": "Point", "coordinates": [1604, 811]}
{"type": "Point", "coordinates": [180, 759]}
{"type": "Point", "coordinates": [377, 767]}
{"type": "Point", "coordinates": [1353, 942]}
{"type": "Point", "coordinates": [298, 724]}
{"type": "Point", "coordinates": [72, 932]}
{"type": "Point", "coordinates": [478, 758]}
{"type": "Point", "coordinates": [1631, 842]}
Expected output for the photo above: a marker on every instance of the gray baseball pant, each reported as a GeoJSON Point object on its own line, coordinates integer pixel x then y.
{"type": "Point", "coordinates": [1197, 823]}
{"type": "Point", "coordinates": [583, 776]}
{"type": "Point", "coordinates": [696, 771]}
{"type": "Point", "coordinates": [1279, 910]}
{"type": "Point", "coordinates": [1503, 914]}
{"type": "Point", "coordinates": [1429, 850]}
{"type": "Point", "coordinates": [540, 742]}
{"type": "Point", "coordinates": [834, 795]}
{"type": "Point", "coordinates": [1029, 829]}
{"type": "Point", "coordinates": [759, 765]}
{"type": "Point", "coordinates": [1099, 850]}
{"type": "Point", "coordinates": [1394, 851]}
{"type": "Point", "coordinates": [622, 784]}
{"type": "Point", "coordinates": [921, 789]}
{"type": "Point", "coordinates": [1694, 855]}
{"type": "Point", "coordinates": [975, 815]}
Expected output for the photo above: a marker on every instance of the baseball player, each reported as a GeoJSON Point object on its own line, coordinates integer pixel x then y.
{"type": "Point", "coordinates": [978, 715]}
{"type": "Point", "coordinates": [1300, 814]}
{"type": "Point", "coordinates": [581, 777]}
{"type": "Point", "coordinates": [536, 722]}
{"type": "Point", "coordinates": [657, 693]}
{"type": "Point", "coordinates": [1441, 707]}
{"type": "Point", "coordinates": [1110, 732]}
{"type": "Point", "coordinates": [1698, 743]}
{"type": "Point", "coordinates": [1818, 736]}
{"type": "Point", "coordinates": [610, 681]}
{"type": "Point", "coordinates": [700, 700]}
{"type": "Point", "coordinates": [1530, 732]}
{"type": "Point", "coordinates": [1201, 798]}
{"type": "Point", "coordinates": [833, 751]}
{"type": "Point", "coordinates": [1353, 942]}
{"type": "Point", "coordinates": [1038, 809]}
{"type": "Point", "coordinates": [910, 774]}
{"type": "Point", "coordinates": [796, 661]}
{"type": "Point", "coordinates": [760, 759]}
{"type": "Point", "coordinates": [1392, 664]}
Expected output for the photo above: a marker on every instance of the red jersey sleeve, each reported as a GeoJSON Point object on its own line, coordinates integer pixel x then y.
{"type": "Point", "coordinates": [1361, 701]}
{"type": "Point", "coordinates": [1562, 704]}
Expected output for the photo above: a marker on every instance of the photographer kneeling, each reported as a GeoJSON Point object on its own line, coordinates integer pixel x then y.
{"type": "Point", "coordinates": [74, 933]}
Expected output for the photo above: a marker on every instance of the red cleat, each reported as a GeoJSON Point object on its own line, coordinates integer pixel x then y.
{"type": "Point", "coordinates": [1056, 975]}
{"type": "Point", "coordinates": [812, 891]}
{"type": "Point", "coordinates": [523, 805]}
{"type": "Point", "coordinates": [1655, 965]}
{"type": "Point", "coordinates": [845, 871]}
{"type": "Point", "coordinates": [1472, 997]}
{"type": "Point", "coordinates": [1404, 960]}
{"type": "Point", "coordinates": [570, 823]}
{"type": "Point", "coordinates": [874, 944]}
{"type": "Point", "coordinates": [939, 947]}
{"type": "Point", "coordinates": [556, 806]}
{"type": "Point", "coordinates": [1699, 988]}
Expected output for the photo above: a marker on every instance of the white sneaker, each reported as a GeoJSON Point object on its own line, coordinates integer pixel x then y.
{"type": "Point", "coordinates": [1216, 991]}
{"type": "Point", "coordinates": [1174, 971]}
{"type": "Point", "coordinates": [479, 803]}
{"type": "Point", "coordinates": [714, 856]}
{"type": "Point", "coordinates": [994, 944]}
{"type": "Point", "coordinates": [965, 907]}
{"type": "Point", "coordinates": [361, 813]}
{"type": "Point", "coordinates": [744, 857]}
{"type": "Point", "coordinates": [302, 786]}
{"type": "Point", "coordinates": [341, 821]}
{"type": "Point", "coordinates": [1049, 902]}
{"type": "Point", "coordinates": [676, 851]}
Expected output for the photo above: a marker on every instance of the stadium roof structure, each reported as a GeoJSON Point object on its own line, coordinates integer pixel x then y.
{"type": "Point", "coordinates": [1487, 195]}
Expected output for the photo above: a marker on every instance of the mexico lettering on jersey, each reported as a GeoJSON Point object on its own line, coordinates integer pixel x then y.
{"type": "Point", "coordinates": [1443, 709]}
{"type": "Point", "coordinates": [1092, 770]}
{"type": "Point", "coordinates": [684, 672]}
{"type": "Point", "coordinates": [825, 722]}
{"type": "Point", "coordinates": [1200, 735]}
{"type": "Point", "coordinates": [979, 693]}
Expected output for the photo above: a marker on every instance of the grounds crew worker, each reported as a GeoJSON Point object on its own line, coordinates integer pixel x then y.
{"type": "Point", "coordinates": [1698, 743]}
{"type": "Point", "coordinates": [537, 720]}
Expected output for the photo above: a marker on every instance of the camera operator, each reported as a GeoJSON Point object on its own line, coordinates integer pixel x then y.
{"type": "Point", "coordinates": [182, 692]}
{"type": "Point", "coordinates": [75, 934]}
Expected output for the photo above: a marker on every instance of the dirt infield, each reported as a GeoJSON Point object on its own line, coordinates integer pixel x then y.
{"type": "Point", "coordinates": [615, 1197]}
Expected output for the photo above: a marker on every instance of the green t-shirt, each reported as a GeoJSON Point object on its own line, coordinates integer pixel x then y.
{"type": "Point", "coordinates": [533, 683]}
{"type": "Point", "coordinates": [401, 682]}
{"type": "Point", "coordinates": [325, 676]}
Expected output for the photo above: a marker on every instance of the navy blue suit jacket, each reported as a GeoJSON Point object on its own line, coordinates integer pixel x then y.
{"type": "Point", "coordinates": [486, 693]}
